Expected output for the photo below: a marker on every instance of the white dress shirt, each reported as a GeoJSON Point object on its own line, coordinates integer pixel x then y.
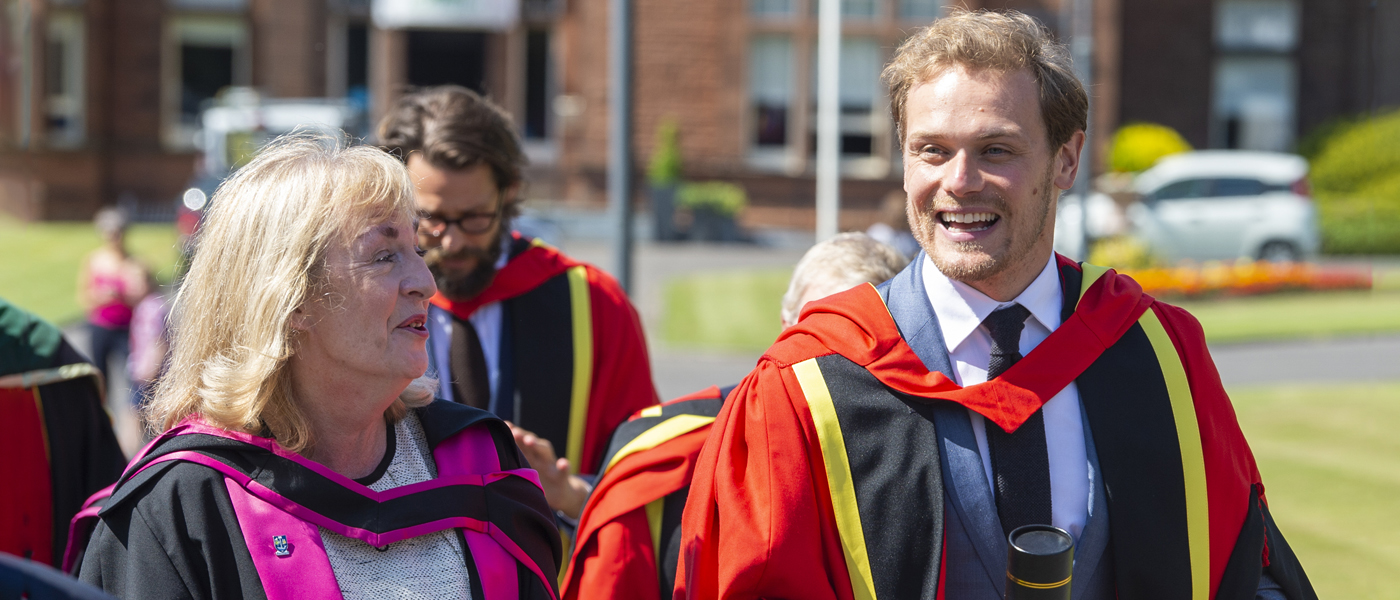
{"type": "Point", "coordinates": [961, 310]}
{"type": "Point", "coordinates": [486, 320]}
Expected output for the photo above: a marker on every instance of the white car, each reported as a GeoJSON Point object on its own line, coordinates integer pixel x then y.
{"type": "Point", "coordinates": [1226, 205]}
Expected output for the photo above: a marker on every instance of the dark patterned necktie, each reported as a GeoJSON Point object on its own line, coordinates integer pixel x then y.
{"type": "Point", "coordinates": [471, 384]}
{"type": "Point", "coordinates": [1020, 461]}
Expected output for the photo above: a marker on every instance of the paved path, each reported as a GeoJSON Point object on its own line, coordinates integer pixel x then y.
{"type": "Point", "coordinates": [1366, 358]}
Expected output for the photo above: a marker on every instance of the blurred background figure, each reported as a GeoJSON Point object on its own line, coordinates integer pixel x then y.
{"type": "Point", "coordinates": [110, 283]}
{"type": "Point", "coordinates": [149, 344]}
{"type": "Point", "coordinates": [893, 226]}
{"type": "Point", "coordinates": [56, 441]}
{"type": "Point", "coordinates": [629, 535]}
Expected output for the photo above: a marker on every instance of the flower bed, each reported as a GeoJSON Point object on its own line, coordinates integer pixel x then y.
{"type": "Point", "coordinates": [1247, 278]}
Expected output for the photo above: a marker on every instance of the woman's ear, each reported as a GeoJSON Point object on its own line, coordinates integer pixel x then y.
{"type": "Point", "coordinates": [300, 321]}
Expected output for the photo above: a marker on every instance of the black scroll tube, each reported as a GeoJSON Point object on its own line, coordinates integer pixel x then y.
{"type": "Point", "coordinates": [1039, 560]}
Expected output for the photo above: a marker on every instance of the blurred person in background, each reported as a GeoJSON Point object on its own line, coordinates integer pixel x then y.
{"type": "Point", "coordinates": [629, 535]}
{"type": "Point", "coordinates": [303, 455]}
{"type": "Point", "coordinates": [517, 327]}
{"type": "Point", "coordinates": [890, 443]}
{"type": "Point", "coordinates": [149, 343]}
{"type": "Point", "coordinates": [893, 226]}
{"type": "Point", "coordinates": [110, 283]}
{"type": "Point", "coordinates": [56, 439]}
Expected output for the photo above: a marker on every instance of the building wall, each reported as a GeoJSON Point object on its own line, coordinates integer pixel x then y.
{"type": "Point", "coordinates": [289, 47]}
{"type": "Point", "coordinates": [1166, 65]}
{"type": "Point", "coordinates": [1350, 63]}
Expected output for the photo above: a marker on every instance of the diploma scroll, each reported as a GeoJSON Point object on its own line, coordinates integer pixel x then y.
{"type": "Point", "coordinates": [1039, 560]}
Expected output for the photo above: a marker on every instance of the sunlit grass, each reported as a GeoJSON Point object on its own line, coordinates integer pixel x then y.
{"type": "Point", "coordinates": [39, 271]}
{"type": "Point", "coordinates": [1328, 455]}
{"type": "Point", "coordinates": [734, 310]}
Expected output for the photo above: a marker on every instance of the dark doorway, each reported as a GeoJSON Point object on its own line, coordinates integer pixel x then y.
{"type": "Point", "coordinates": [204, 70]}
{"type": "Point", "coordinates": [537, 83]}
{"type": "Point", "coordinates": [356, 55]}
{"type": "Point", "coordinates": [447, 57]}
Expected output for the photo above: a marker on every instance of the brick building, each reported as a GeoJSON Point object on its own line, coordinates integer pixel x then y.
{"type": "Point", "coordinates": [112, 89]}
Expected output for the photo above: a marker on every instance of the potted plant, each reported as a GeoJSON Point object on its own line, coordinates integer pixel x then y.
{"type": "Point", "coordinates": [714, 205]}
{"type": "Point", "coordinates": [663, 175]}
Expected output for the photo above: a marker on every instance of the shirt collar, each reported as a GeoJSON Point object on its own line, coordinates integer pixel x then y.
{"type": "Point", "coordinates": [961, 309]}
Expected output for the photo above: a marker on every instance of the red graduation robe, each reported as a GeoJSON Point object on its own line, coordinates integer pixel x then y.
{"type": "Point", "coordinates": [623, 549]}
{"type": "Point", "coordinates": [764, 516]}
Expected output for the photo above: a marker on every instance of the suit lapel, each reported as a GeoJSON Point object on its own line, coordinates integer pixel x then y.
{"type": "Point", "coordinates": [1089, 549]}
{"type": "Point", "coordinates": [965, 480]}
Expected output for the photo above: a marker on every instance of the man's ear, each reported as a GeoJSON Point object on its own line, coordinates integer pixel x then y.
{"type": "Point", "coordinates": [1068, 159]}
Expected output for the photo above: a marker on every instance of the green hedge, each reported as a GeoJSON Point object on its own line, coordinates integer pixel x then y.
{"type": "Point", "coordinates": [1356, 181]}
{"type": "Point", "coordinates": [1359, 225]}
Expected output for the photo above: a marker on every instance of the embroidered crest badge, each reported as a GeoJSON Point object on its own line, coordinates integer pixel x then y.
{"type": "Point", "coordinates": [279, 543]}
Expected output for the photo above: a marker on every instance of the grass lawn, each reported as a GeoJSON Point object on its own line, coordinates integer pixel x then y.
{"type": "Point", "coordinates": [738, 310]}
{"type": "Point", "coordinates": [40, 271]}
{"type": "Point", "coordinates": [725, 310]}
{"type": "Point", "coordinates": [1328, 455]}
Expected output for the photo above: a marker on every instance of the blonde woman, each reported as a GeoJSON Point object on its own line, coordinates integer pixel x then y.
{"type": "Point", "coordinates": [302, 454]}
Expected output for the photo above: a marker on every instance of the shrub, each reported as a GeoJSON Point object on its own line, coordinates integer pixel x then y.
{"type": "Point", "coordinates": [664, 170]}
{"type": "Point", "coordinates": [720, 197]}
{"type": "Point", "coordinates": [1357, 156]}
{"type": "Point", "coordinates": [1356, 181]}
{"type": "Point", "coordinates": [1137, 146]}
{"type": "Point", "coordinates": [1121, 252]}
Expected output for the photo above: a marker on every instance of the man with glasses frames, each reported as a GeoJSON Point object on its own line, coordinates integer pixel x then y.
{"type": "Point", "coordinates": [518, 328]}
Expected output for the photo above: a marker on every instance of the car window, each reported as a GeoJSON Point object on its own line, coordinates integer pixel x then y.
{"type": "Point", "coordinates": [1190, 188]}
{"type": "Point", "coordinates": [1237, 187]}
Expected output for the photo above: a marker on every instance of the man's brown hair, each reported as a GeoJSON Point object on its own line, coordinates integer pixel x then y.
{"type": "Point", "coordinates": [1001, 41]}
{"type": "Point", "coordinates": [454, 128]}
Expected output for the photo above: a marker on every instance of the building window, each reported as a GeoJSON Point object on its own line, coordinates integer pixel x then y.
{"type": "Point", "coordinates": [771, 8]}
{"type": "Point", "coordinates": [770, 88]}
{"type": "Point", "coordinates": [64, 100]}
{"type": "Point", "coordinates": [920, 10]}
{"type": "Point", "coordinates": [1254, 96]}
{"type": "Point", "coordinates": [208, 54]}
{"type": "Point", "coordinates": [783, 82]}
{"type": "Point", "coordinates": [861, 61]}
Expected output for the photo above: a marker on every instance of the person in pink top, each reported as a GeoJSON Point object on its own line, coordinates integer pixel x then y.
{"type": "Point", "coordinates": [110, 283]}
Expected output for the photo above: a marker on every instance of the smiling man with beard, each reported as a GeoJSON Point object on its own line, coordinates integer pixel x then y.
{"type": "Point", "coordinates": [889, 444]}
{"type": "Point", "coordinates": [517, 328]}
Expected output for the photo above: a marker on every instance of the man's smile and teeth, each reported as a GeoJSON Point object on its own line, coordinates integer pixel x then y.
{"type": "Point", "coordinates": [966, 222]}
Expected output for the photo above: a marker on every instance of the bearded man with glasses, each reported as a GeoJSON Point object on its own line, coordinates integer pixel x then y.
{"type": "Point", "coordinates": [517, 327]}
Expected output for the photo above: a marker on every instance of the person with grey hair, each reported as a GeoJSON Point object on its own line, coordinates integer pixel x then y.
{"type": "Point", "coordinates": [837, 265]}
{"type": "Point", "coordinates": [896, 440]}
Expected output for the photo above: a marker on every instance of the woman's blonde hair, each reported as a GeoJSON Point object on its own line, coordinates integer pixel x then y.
{"type": "Point", "coordinates": [259, 257]}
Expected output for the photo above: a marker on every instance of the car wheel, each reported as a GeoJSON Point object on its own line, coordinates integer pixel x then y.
{"type": "Point", "coordinates": [1279, 252]}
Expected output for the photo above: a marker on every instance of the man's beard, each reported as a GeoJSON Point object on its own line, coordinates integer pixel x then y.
{"type": "Point", "coordinates": [465, 286]}
{"type": "Point", "coordinates": [974, 261]}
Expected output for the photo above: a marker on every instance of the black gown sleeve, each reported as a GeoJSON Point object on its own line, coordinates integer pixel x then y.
{"type": "Point", "coordinates": [175, 537]}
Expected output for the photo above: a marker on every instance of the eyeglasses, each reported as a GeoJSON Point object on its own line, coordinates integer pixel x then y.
{"type": "Point", "coordinates": [471, 223]}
